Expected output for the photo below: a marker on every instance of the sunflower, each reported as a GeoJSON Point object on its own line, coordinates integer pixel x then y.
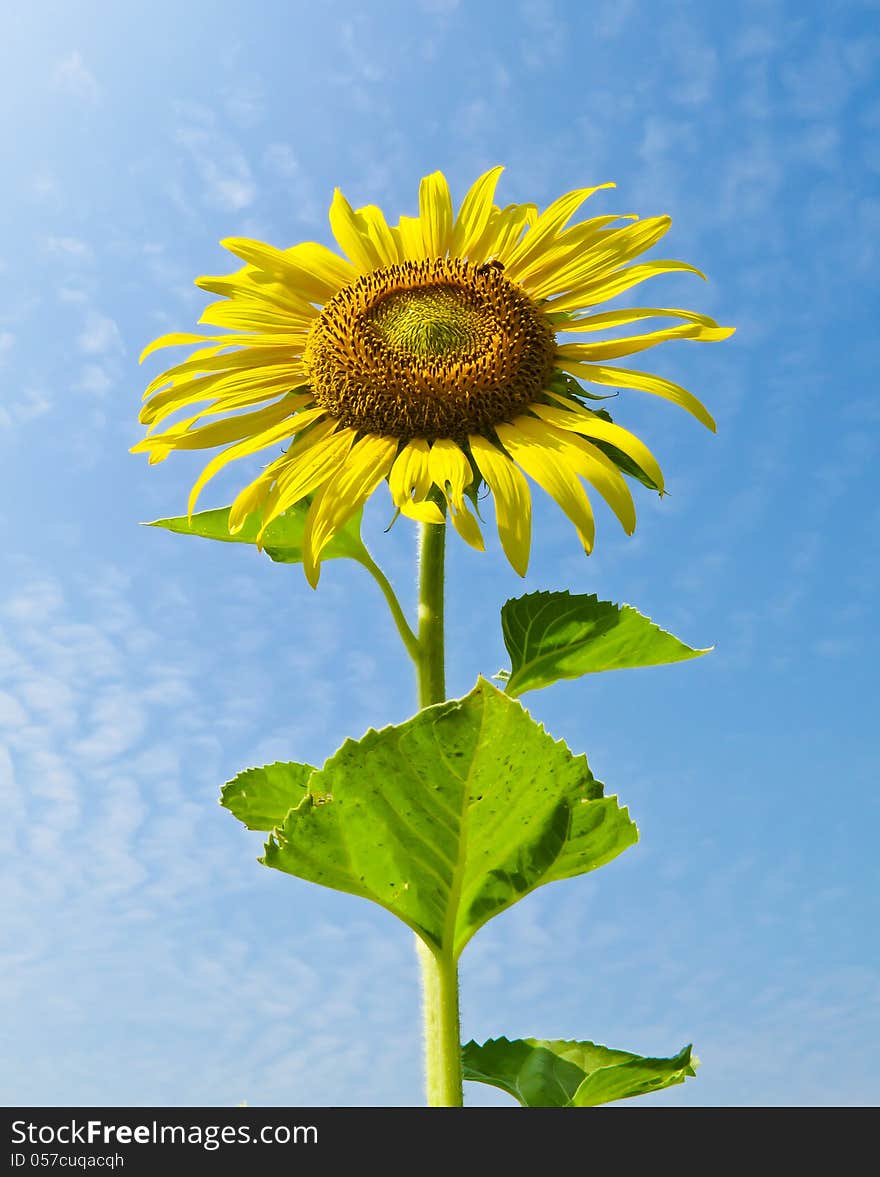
{"type": "Point", "coordinates": [431, 355]}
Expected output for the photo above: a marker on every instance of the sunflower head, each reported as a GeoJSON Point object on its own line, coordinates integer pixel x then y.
{"type": "Point", "coordinates": [432, 349]}
{"type": "Point", "coordinates": [432, 355]}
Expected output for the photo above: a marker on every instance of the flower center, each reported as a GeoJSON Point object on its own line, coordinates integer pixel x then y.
{"type": "Point", "coordinates": [430, 349]}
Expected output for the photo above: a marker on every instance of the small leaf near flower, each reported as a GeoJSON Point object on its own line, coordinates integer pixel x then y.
{"type": "Point", "coordinates": [541, 1073]}
{"type": "Point", "coordinates": [551, 636]}
{"type": "Point", "coordinates": [282, 540]}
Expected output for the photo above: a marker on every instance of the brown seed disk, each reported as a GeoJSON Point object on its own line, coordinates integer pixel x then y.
{"type": "Point", "coordinates": [438, 348]}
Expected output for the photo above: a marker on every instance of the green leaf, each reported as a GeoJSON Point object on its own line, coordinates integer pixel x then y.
{"type": "Point", "coordinates": [566, 385]}
{"type": "Point", "coordinates": [550, 636]}
{"type": "Point", "coordinates": [451, 817]}
{"type": "Point", "coordinates": [625, 463]}
{"type": "Point", "coordinates": [284, 535]}
{"type": "Point", "coordinates": [262, 797]}
{"type": "Point", "coordinates": [555, 1074]}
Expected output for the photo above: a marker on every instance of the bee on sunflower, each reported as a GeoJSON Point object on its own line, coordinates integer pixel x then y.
{"type": "Point", "coordinates": [431, 355]}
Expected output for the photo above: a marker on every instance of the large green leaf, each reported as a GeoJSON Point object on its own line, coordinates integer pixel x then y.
{"type": "Point", "coordinates": [284, 535]}
{"type": "Point", "coordinates": [550, 636]}
{"type": "Point", "coordinates": [446, 819]}
{"type": "Point", "coordinates": [262, 797]}
{"type": "Point", "coordinates": [548, 1074]}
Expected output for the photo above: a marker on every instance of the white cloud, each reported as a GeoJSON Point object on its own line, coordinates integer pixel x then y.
{"type": "Point", "coordinates": [26, 406]}
{"type": "Point", "coordinates": [100, 335]}
{"type": "Point", "coordinates": [116, 722]}
{"type": "Point", "coordinates": [94, 379]}
{"type": "Point", "coordinates": [34, 403]}
{"type": "Point", "coordinates": [38, 599]}
{"type": "Point", "coordinates": [73, 77]}
{"type": "Point", "coordinates": [225, 173]}
{"type": "Point", "coordinates": [246, 104]}
{"type": "Point", "coordinates": [70, 248]}
{"type": "Point", "coordinates": [71, 294]}
{"type": "Point", "coordinates": [45, 185]}
{"type": "Point", "coordinates": [611, 16]}
{"type": "Point", "coordinates": [546, 34]}
{"type": "Point", "coordinates": [7, 341]}
{"type": "Point", "coordinates": [280, 159]}
{"type": "Point", "coordinates": [754, 41]}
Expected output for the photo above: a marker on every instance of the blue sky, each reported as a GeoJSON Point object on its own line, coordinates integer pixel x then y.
{"type": "Point", "coordinates": [147, 958]}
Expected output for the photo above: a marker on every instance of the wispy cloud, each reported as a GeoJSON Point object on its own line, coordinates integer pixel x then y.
{"type": "Point", "coordinates": [100, 335]}
{"type": "Point", "coordinates": [19, 408]}
{"type": "Point", "coordinates": [95, 379]}
{"type": "Point", "coordinates": [73, 77]}
{"type": "Point", "coordinates": [69, 248]}
{"type": "Point", "coordinates": [224, 172]}
{"type": "Point", "coordinates": [281, 159]}
{"type": "Point", "coordinates": [544, 44]}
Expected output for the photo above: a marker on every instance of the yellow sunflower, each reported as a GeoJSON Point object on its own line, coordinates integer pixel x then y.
{"type": "Point", "coordinates": [432, 355]}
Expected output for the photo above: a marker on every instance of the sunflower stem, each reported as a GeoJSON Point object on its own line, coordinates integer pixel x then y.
{"type": "Point", "coordinates": [439, 966]}
{"type": "Point", "coordinates": [432, 654]}
{"type": "Point", "coordinates": [407, 636]}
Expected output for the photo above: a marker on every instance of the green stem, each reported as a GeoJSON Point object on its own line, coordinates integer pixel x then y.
{"type": "Point", "coordinates": [407, 636]}
{"type": "Point", "coordinates": [442, 1026]}
{"type": "Point", "coordinates": [431, 659]}
{"type": "Point", "coordinates": [439, 966]}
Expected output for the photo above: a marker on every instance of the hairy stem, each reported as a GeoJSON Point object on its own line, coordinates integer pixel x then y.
{"type": "Point", "coordinates": [432, 653]}
{"type": "Point", "coordinates": [407, 636]}
{"type": "Point", "coordinates": [439, 966]}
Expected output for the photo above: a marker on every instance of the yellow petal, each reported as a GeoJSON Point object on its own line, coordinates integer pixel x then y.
{"type": "Point", "coordinates": [612, 349]}
{"type": "Point", "coordinates": [467, 527]}
{"type": "Point", "coordinates": [473, 216]}
{"type": "Point", "coordinates": [412, 244]}
{"type": "Point", "coordinates": [609, 286]}
{"type": "Point", "coordinates": [184, 437]}
{"type": "Point", "coordinates": [545, 460]}
{"type": "Point", "coordinates": [254, 495]}
{"type": "Point", "coordinates": [435, 214]}
{"type": "Point", "coordinates": [513, 504]}
{"type": "Point", "coordinates": [248, 500]}
{"type": "Point", "coordinates": [410, 479]}
{"type": "Point", "coordinates": [590, 463]}
{"type": "Point", "coordinates": [310, 462]}
{"type": "Point", "coordinates": [607, 255]}
{"type": "Point", "coordinates": [253, 316]}
{"type": "Point", "coordinates": [255, 286]}
{"type": "Point", "coordinates": [293, 341]}
{"type": "Point", "coordinates": [451, 472]}
{"type": "Point", "coordinates": [426, 512]}
{"type": "Point", "coordinates": [351, 233]}
{"type": "Point", "coordinates": [643, 382]}
{"type": "Point", "coordinates": [448, 464]}
{"type": "Point", "coordinates": [174, 339]}
{"type": "Point", "coordinates": [547, 226]}
{"type": "Point", "coordinates": [322, 265]}
{"type": "Point", "coordinates": [251, 445]}
{"type": "Point", "coordinates": [259, 383]}
{"type": "Point", "coordinates": [382, 238]}
{"type": "Point", "coordinates": [566, 248]}
{"type": "Point", "coordinates": [309, 270]}
{"type": "Point", "coordinates": [502, 232]}
{"type": "Point", "coordinates": [578, 420]}
{"type": "Point", "coordinates": [365, 467]}
{"type": "Point", "coordinates": [206, 359]}
{"type": "Point", "coordinates": [608, 319]}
